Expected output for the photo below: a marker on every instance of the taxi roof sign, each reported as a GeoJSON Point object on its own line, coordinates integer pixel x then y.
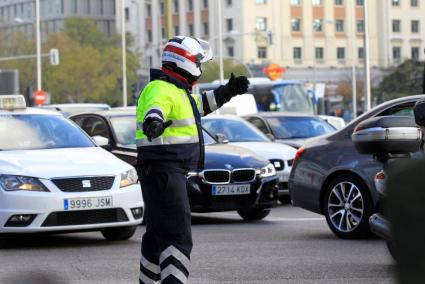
{"type": "Point", "coordinates": [11, 102]}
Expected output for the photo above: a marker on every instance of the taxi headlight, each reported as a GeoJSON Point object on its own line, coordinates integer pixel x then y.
{"type": "Point", "coordinates": [128, 178]}
{"type": "Point", "coordinates": [14, 183]}
{"type": "Point", "coordinates": [267, 171]}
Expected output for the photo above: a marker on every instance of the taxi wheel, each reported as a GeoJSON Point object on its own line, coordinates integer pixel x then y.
{"type": "Point", "coordinates": [118, 233]}
{"type": "Point", "coordinates": [253, 214]}
{"type": "Point", "coordinates": [392, 249]}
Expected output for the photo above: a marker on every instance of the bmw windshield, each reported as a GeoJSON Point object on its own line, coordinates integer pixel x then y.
{"type": "Point", "coordinates": [30, 132]}
{"type": "Point", "coordinates": [235, 130]}
{"type": "Point", "coordinates": [298, 127]}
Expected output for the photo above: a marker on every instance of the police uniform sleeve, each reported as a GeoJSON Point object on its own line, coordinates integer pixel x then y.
{"type": "Point", "coordinates": [155, 105]}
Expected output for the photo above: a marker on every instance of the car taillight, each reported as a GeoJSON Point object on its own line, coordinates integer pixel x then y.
{"type": "Point", "coordinates": [299, 153]}
{"type": "Point", "coordinates": [380, 176]}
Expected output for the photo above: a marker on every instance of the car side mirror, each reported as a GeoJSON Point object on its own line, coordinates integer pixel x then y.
{"type": "Point", "coordinates": [221, 138]}
{"type": "Point", "coordinates": [271, 136]}
{"type": "Point", "coordinates": [101, 141]}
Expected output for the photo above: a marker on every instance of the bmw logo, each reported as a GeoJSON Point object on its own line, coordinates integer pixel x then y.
{"type": "Point", "coordinates": [228, 166]}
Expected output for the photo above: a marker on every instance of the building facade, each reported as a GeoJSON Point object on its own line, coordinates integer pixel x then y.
{"type": "Point", "coordinates": [310, 35]}
{"type": "Point", "coordinates": [19, 15]}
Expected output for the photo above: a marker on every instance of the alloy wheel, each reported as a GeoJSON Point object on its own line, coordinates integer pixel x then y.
{"type": "Point", "coordinates": [345, 206]}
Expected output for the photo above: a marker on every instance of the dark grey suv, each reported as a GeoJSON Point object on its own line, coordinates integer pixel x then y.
{"type": "Point", "coordinates": [330, 177]}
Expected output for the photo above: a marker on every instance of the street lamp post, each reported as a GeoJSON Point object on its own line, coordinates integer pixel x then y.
{"type": "Point", "coordinates": [38, 40]}
{"type": "Point", "coordinates": [124, 55]}
{"type": "Point", "coordinates": [353, 56]}
{"type": "Point", "coordinates": [366, 56]}
{"type": "Point", "coordinates": [220, 40]}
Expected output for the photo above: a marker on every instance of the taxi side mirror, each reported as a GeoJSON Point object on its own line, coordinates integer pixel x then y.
{"type": "Point", "coordinates": [271, 137]}
{"type": "Point", "coordinates": [101, 141]}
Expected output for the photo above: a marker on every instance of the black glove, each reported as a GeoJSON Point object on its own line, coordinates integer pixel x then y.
{"type": "Point", "coordinates": [236, 86]}
{"type": "Point", "coordinates": [154, 127]}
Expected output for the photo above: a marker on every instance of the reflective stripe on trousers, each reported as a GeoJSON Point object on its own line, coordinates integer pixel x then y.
{"type": "Point", "coordinates": [168, 140]}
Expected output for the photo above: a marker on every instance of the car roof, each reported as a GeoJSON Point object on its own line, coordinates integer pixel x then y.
{"type": "Point", "coordinates": [77, 105]}
{"type": "Point", "coordinates": [125, 111]}
{"type": "Point", "coordinates": [30, 111]}
{"type": "Point", "coordinates": [223, 116]}
{"type": "Point", "coordinates": [282, 114]}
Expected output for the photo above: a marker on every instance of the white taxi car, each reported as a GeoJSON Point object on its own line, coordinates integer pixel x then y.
{"type": "Point", "coordinates": [53, 177]}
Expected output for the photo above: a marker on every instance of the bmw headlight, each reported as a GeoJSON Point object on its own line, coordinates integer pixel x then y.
{"type": "Point", "coordinates": [267, 171]}
{"type": "Point", "coordinates": [15, 183]}
{"type": "Point", "coordinates": [128, 178]}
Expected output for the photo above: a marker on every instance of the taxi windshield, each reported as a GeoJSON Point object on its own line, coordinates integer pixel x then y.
{"type": "Point", "coordinates": [31, 132]}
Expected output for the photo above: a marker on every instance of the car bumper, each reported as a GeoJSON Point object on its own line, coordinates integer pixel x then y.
{"type": "Point", "coordinates": [49, 215]}
{"type": "Point", "coordinates": [264, 194]}
{"type": "Point", "coordinates": [283, 177]}
{"type": "Point", "coordinates": [380, 226]}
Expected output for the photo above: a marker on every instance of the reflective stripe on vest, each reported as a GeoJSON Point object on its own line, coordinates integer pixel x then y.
{"type": "Point", "coordinates": [168, 140]}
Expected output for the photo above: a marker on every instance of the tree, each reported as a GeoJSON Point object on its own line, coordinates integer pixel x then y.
{"type": "Point", "coordinates": [90, 68]}
{"type": "Point", "coordinates": [406, 79]}
{"type": "Point", "coordinates": [211, 70]}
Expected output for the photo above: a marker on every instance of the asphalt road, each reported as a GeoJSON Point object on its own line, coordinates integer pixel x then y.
{"type": "Point", "coordinates": [290, 246]}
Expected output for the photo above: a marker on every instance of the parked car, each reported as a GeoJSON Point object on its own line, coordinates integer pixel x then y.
{"type": "Point", "coordinates": [243, 134]}
{"type": "Point", "coordinates": [68, 109]}
{"type": "Point", "coordinates": [290, 129]}
{"type": "Point", "coordinates": [233, 178]}
{"type": "Point", "coordinates": [390, 140]}
{"type": "Point", "coordinates": [53, 177]}
{"type": "Point", "coordinates": [326, 165]}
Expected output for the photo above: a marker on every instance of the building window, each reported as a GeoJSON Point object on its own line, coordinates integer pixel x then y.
{"type": "Point", "coordinates": [191, 30]}
{"type": "Point", "coordinates": [127, 14]}
{"type": "Point", "coordinates": [297, 53]}
{"type": "Point", "coordinates": [318, 53]}
{"type": "Point", "coordinates": [150, 61]}
{"type": "Point", "coordinates": [296, 25]}
{"type": "Point", "coordinates": [149, 35]}
{"type": "Point", "coordinates": [318, 25]}
{"type": "Point", "coordinates": [190, 5]}
{"type": "Point", "coordinates": [339, 26]}
{"type": "Point", "coordinates": [88, 8]}
{"type": "Point", "coordinates": [229, 25]}
{"type": "Point", "coordinates": [415, 53]}
{"type": "Point", "coordinates": [359, 2]}
{"type": "Point", "coordinates": [340, 53]}
{"type": "Point", "coordinates": [176, 6]}
{"type": "Point", "coordinates": [230, 51]}
{"type": "Point", "coordinates": [163, 33]}
{"type": "Point", "coordinates": [62, 7]}
{"type": "Point", "coordinates": [339, 2]}
{"type": "Point", "coordinates": [360, 52]}
{"type": "Point", "coordinates": [229, 2]}
{"type": "Point", "coordinates": [148, 10]}
{"type": "Point", "coordinates": [396, 54]}
{"type": "Point", "coordinates": [176, 30]}
{"type": "Point", "coordinates": [206, 28]}
{"type": "Point", "coordinates": [205, 4]}
{"type": "Point", "coordinates": [102, 7]}
{"type": "Point", "coordinates": [414, 3]}
{"type": "Point", "coordinates": [261, 24]}
{"type": "Point", "coordinates": [317, 2]}
{"type": "Point", "coordinates": [295, 2]}
{"type": "Point", "coordinates": [75, 7]}
{"type": "Point", "coordinates": [162, 8]}
{"type": "Point", "coordinates": [260, 1]}
{"type": "Point", "coordinates": [360, 26]}
{"type": "Point", "coordinates": [262, 52]}
{"type": "Point", "coordinates": [395, 2]}
{"type": "Point", "coordinates": [415, 26]}
{"type": "Point", "coordinates": [396, 26]}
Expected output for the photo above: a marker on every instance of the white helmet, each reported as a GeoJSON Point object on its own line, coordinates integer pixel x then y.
{"type": "Point", "coordinates": [186, 54]}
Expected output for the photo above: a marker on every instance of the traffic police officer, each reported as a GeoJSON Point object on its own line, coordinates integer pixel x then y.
{"type": "Point", "coordinates": [169, 144]}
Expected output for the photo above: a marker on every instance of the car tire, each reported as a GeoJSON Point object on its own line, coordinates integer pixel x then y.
{"type": "Point", "coordinates": [285, 199]}
{"type": "Point", "coordinates": [253, 214]}
{"type": "Point", "coordinates": [118, 233]}
{"type": "Point", "coordinates": [348, 206]}
{"type": "Point", "coordinates": [392, 249]}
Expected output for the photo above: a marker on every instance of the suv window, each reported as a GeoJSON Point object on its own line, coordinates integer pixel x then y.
{"type": "Point", "coordinates": [259, 123]}
{"type": "Point", "coordinates": [93, 126]}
